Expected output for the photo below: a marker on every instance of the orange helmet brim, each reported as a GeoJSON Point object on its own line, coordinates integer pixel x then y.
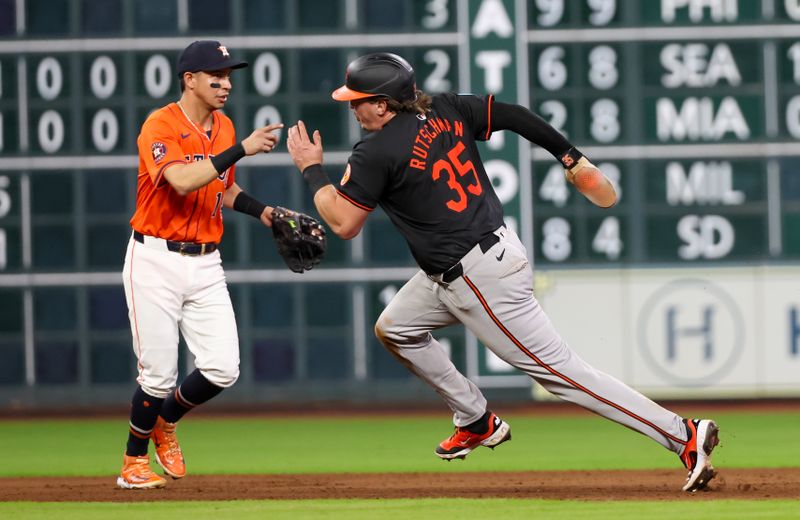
{"type": "Point", "coordinates": [345, 94]}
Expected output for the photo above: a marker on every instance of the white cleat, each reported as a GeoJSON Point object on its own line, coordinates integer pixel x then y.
{"type": "Point", "coordinates": [696, 456]}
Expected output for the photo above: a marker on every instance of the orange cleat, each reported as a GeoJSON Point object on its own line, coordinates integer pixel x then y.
{"type": "Point", "coordinates": [463, 441]}
{"type": "Point", "coordinates": [696, 456]}
{"type": "Point", "coordinates": [168, 452]}
{"type": "Point", "coordinates": [136, 474]}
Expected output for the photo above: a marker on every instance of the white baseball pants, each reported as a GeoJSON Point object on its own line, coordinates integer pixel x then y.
{"type": "Point", "coordinates": [168, 292]}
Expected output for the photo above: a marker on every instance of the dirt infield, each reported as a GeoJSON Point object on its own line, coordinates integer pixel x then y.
{"type": "Point", "coordinates": [755, 484]}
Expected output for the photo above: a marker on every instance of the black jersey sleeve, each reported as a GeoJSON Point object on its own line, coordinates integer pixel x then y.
{"type": "Point", "coordinates": [477, 112]}
{"type": "Point", "coordinates": [522, 121]}
{"type": "Point", "coordinates": [365, 178]}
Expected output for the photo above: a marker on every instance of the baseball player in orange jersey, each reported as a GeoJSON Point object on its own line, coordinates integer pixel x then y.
{"type": "Point", "coordinates": [173, 276]}
{"type": "Point", "coordinates": [420, 163]}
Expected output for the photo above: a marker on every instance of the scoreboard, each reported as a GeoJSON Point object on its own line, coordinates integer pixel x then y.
{"type": "Point", "coordinates": [691, 107]}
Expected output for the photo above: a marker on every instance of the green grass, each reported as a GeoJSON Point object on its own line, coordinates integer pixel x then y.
{"type": "Point", "coordinates": [94, 447]}
{"type": "Point", "coordinates": [404, 509]}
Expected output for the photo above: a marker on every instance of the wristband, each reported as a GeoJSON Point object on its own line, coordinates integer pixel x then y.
{"type": "Point", "coordinates": [228, 158]}
{"type": "Point", "coordinates": [570, 158]}
{"type": "Point", "coordinates": [244, 203]}
{"type": "Point", "coordinates": [316, 178]}
{"type": "Point", "coordinates": [583, 161]}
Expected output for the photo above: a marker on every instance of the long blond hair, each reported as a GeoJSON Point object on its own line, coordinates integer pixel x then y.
{"type": "Point", "coordinates": [420, 105]}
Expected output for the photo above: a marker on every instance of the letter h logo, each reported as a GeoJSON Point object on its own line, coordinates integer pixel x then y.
{"type": "Point", "coordinates": [705, 331]}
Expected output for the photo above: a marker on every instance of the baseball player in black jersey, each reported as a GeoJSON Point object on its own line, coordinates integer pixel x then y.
{"type": "Point", "coordinates": [420, 163]}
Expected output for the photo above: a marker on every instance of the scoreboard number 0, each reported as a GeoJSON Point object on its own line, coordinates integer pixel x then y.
{"type": "Point", "coordinates": [51, 131]}
{"type": "Point", "coordinates": [49, 78]}
{"type": "Point", "coordinates": [105, 130]}
{"type": "Point", "coordinates": [103, 77]}
{"type": "Point", "coordinates": [157, 76]}
{"type": "Point", "coordinates": [792, 9]}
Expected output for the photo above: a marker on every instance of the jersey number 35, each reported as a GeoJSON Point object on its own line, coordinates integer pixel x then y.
{"type": "Point", "coordinates": [459, 201]}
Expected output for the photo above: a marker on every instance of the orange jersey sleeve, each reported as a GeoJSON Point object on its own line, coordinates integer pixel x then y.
{"type": "Point", "coordinates": [168, 138]}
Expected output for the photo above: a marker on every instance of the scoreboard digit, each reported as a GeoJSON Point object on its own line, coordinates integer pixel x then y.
{"type": "Point", "coordinates": [692, 106]}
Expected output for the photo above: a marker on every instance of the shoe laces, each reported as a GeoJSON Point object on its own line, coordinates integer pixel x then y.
{"type": "Point", "coordinates": [140, 462]}
{"type": "Point", "coordinates": [168, 436]}
{"type": "Point", "coordinates": [460, 435]}
{"type": "Point", "coordinates": [139, 467]}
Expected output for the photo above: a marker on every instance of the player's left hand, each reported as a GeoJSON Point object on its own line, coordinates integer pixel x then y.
{"type": "Point", "coordinates": [305, 151]}
{"type": "Point", "coordinates": [300, 239]}
{"type": "Point", "coordinates": [266, 216]}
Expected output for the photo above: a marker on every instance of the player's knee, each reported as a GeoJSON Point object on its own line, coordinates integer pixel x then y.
{"type": "Point", "coordinates": [156, 390]}
{"type": "Point", "coordinates": [379, 331]}
{"type": "Point", "coordinates": [158, 381]}
{"type": "Point", "coordinates": [394, 334]}
{"type": "Point", "coordinates": [222, 375]}
{"type": "Point", "coordinates": [385, 332]}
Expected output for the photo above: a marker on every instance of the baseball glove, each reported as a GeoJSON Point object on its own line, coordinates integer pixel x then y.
{"type": "Point", "coordinates": [300, 239]}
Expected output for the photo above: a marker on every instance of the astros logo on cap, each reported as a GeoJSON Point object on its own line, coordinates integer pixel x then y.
{"type": "Point", "coordinates": [224, 51]}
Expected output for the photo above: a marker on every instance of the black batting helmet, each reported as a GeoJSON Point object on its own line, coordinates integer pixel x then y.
{"type": "Point", "coordinates": [378, 74]}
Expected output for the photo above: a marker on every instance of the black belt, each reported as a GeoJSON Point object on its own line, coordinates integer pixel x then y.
{"type": "Point", "coordinates": [184, 248]}
{"type": "Point", "coordinates": [457, 270]}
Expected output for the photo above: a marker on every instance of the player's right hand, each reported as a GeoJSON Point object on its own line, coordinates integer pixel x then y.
{"type": "Point", "coordinates": [591, 182]}
{"type": "Point", "coordinates": [263, 139]}
{"type": "Point", "coordinates": [305, 150]}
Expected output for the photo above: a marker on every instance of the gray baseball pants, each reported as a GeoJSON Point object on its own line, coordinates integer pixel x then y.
{"type": "Point", "coordinates": [494, 299]}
